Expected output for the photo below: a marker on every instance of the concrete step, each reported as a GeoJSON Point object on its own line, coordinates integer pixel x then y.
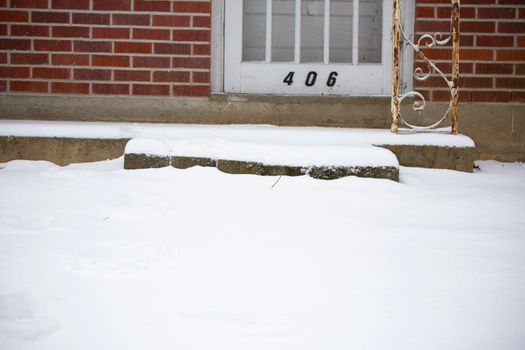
{"type": "Point", "coordinates": [322, 162]}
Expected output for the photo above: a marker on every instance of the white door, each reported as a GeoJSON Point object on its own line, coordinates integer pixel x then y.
{"type": "Point", "coordinates": [308, 47]}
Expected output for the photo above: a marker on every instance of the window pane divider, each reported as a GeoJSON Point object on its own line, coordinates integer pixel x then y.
{"type": "Point", "coordinates": [355, 32]}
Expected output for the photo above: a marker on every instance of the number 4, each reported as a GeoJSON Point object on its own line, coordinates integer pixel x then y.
{"type": "Point", "coordinates": [289, 78]}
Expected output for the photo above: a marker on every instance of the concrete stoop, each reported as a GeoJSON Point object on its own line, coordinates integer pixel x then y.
{"type": "Point", "coordinates": [322, 153]}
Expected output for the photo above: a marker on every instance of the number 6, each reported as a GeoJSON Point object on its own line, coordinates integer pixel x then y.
{"type": "Point", "coordinates": [332, 78]}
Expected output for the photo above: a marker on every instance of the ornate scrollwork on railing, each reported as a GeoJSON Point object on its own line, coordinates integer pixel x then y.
{"type": "Point", "coordinates": [426, 41]}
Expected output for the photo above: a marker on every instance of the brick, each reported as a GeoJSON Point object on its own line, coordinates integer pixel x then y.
{"type": "Point", "coordinates": [191, 91]}
{"type": "Point", "coordinates": [438, 54]}
{"type": "Point", "coordinates": [199, 49]}
{"type": "Point", "coordinates": [202, 21]}
{"type": "Point", "coordinates": [151, 34]}
{"type": "Point", "coordinates": [171, 21]}
{"type": "Point", "coordinates": [192, 6]}
{"type": "Point", "coordinates": [510, 83]}
{"type": "Point", "coordinates": [52, 45]}
{"type": "Point", "coordinates": [70, 60]}
{"type": "Point", "coordinates": [477, 27]}
{"type": "Point", "coordinates": [92, 74]}
{"type": "Point", "coordinates": [494, 40]}
{"type": "Point", "coordinates": [134, 20]}
{"type": "Point", "coordinates": [191, 62]}
{"type": "Point", "coordinates": [171, 76]}
{"type": "Point", "coordinates": [14, 72]}
{"type": "Point", "coordinates": [70, 88]}
{"type": "Point", "coordinates": [511, 27]}
{"type": "Point", "coordinates": [433, 26]}
{"type": "Point", "coordinates": [132, 75]}
{"type": "Point", "coordinates": [49, 17]}
{"type": "Point", "coordinates": [191, 35]}
{"type": "Point", "coordinates": [70, 32]}
{"type": "Point", "coordinates": [520, 41]}
{"type": "Point", "coordinates": [151, 62]}
{"type": "Point", "coordinates": [70, 4]}
{"type": "Point", "coordinates": [51, 73]}
{"type": "Point", "coordinates": [491, 96]}
{"type": "Point", "coordinates": [493, 68]}
{"type": "Point", "coordinates": [111, 89]}
{"type": "Point", "coordinates": [152, 6]}
{"type": "Point", "coordinates": [24, 30]}
{"type": "Point", "coordinates": [29, 58]}
{"type": "Point", "coordinates": [91, 18]}
{"type": "Point", "coordinates": [31, 4]}
{"type": "Point", "coordinates": [200, 77]}
{"type": "Point", "coordinates": [422, 12]}
{"type": "Point", "coordinates": [495, 13]}
{"type": "Point", "coordinates": [28, 86]}
{"type": "Point", "coordinates": [143, 89]}
{"type": "Point", "coordinates": [511, 2]}
{"type": "Point", "coordinates": [112, 5]}
{"type": "Point", "coordinates": [14, 16]}
{"type": "Point", "coordinates": [3, 57]}
{"type": "Point", "coordinates": [510, 55]}
{"type": "Point", "coordinates": [15, 44]}
{"type": "Point", "coordinates": [446, 12]}
{"type": "Point", "coordinates": [172, 49]}
{"type": "Point", "coordinates": [110, 61]}
{"type": "Point", "coordinates": [3, 85]}
{"type": "Point", "coordinates": [444, 95]}
{"type": "Point", "coordinates": [92, 46]}
{"type": "Point", "coordinates": [520, 69]}
{"type": "Point", "coordinates": [133, 47]}
{"type": "Point", "coordinates": [522, 13]}
{"type": "Point", "coordinates": [446, 67]}
{"type": "Point", "coordinates": [475, 82]}
{"type": "Point", "coordinates": [111, 33]}
{"type": "Point", "coordinates": [518, 96]}
{"type": "Point", "coordinates": [3, 29]}
{"type": "Point", "coordinates": [476, 55]}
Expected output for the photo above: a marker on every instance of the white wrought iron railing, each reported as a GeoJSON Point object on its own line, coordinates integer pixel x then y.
{"type": "Point", "coordinates": [426, 41]}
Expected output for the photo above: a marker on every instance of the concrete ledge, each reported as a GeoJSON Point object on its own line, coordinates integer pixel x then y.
{"type": "Point", "coordinates": [453, 158]}
{"type": "Point", "coordinates": [60, 150]}
{"type": "Point", "coordinates": [181, 162]}
{"type": "Point", "coordinates": [332, 172]}
{"type": "Point", "coordinates": [255, 168]}
{"type": "Point", "coordinates": [145, 161]}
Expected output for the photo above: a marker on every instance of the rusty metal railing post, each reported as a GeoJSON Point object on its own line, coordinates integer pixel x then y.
{"type": "Point", "coordinates": [394, 103]}
{"type": "Point", "coordinates": [454, 91]}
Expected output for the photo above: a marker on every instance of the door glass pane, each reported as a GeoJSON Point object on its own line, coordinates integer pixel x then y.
{"type": "Point", "coordinates": [341, 31]}
{"type": "Point", "coordinates": [312, 27]}
{"type": "Point", "coordinates": [370, 30]}
{"type": "Point", "coordinates": [254, 30]}
{"type": "Point", "coordinates": [283, 31]}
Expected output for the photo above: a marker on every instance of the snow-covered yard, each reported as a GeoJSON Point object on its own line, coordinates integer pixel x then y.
{"type": "Point", "coordinates": [94, 257]}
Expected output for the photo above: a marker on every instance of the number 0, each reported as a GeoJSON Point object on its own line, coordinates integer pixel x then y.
{"type": "Point", "coordinates": [311, 78]}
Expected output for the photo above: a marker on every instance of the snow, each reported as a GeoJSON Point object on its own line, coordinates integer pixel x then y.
{"type": "Point", "coordinates": [233, 133]}
{"type": "Point", "coordinates": [267, 153]}
{"type": "Point", "coordinates": [96, 257]}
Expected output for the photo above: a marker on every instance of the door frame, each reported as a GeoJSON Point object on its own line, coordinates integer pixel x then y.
{"type": "Point", "coordinates": [218, 69]}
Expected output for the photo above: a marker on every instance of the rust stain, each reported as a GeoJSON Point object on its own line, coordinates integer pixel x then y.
{"type": "Point", "coordinates": [454, 91]}
{"type": "Point", "coordinates": [394, 106]}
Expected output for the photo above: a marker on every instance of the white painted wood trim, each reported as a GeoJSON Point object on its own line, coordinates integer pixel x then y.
{"type": "Point", "coordinates": [269, 30]}
{"type": "Point", "coordinates": [217, 46]}
{"type": "Point", "coordinates": [326, 37]}
{"type": "Point", "coordinates": [355, 32]}
{"type": "Point", "coordinates": [233, 51]}
{"type": "Point", "coordinates": [297, 43]}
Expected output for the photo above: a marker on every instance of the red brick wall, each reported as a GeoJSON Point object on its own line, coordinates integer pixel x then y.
{"type": "Point", "coordinates": [105, 47]}
{"type": "Point", "coordinates": [492, 52]}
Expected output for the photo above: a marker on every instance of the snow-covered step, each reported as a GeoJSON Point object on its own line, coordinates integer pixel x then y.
{"type": "Point", "coordinates": [318, 161]}
{"type": "Point", "coordinates": [74, 142]}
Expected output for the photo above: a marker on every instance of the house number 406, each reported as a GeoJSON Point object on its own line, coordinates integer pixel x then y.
{"type": "Point", "coordinates": [311, 78]}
